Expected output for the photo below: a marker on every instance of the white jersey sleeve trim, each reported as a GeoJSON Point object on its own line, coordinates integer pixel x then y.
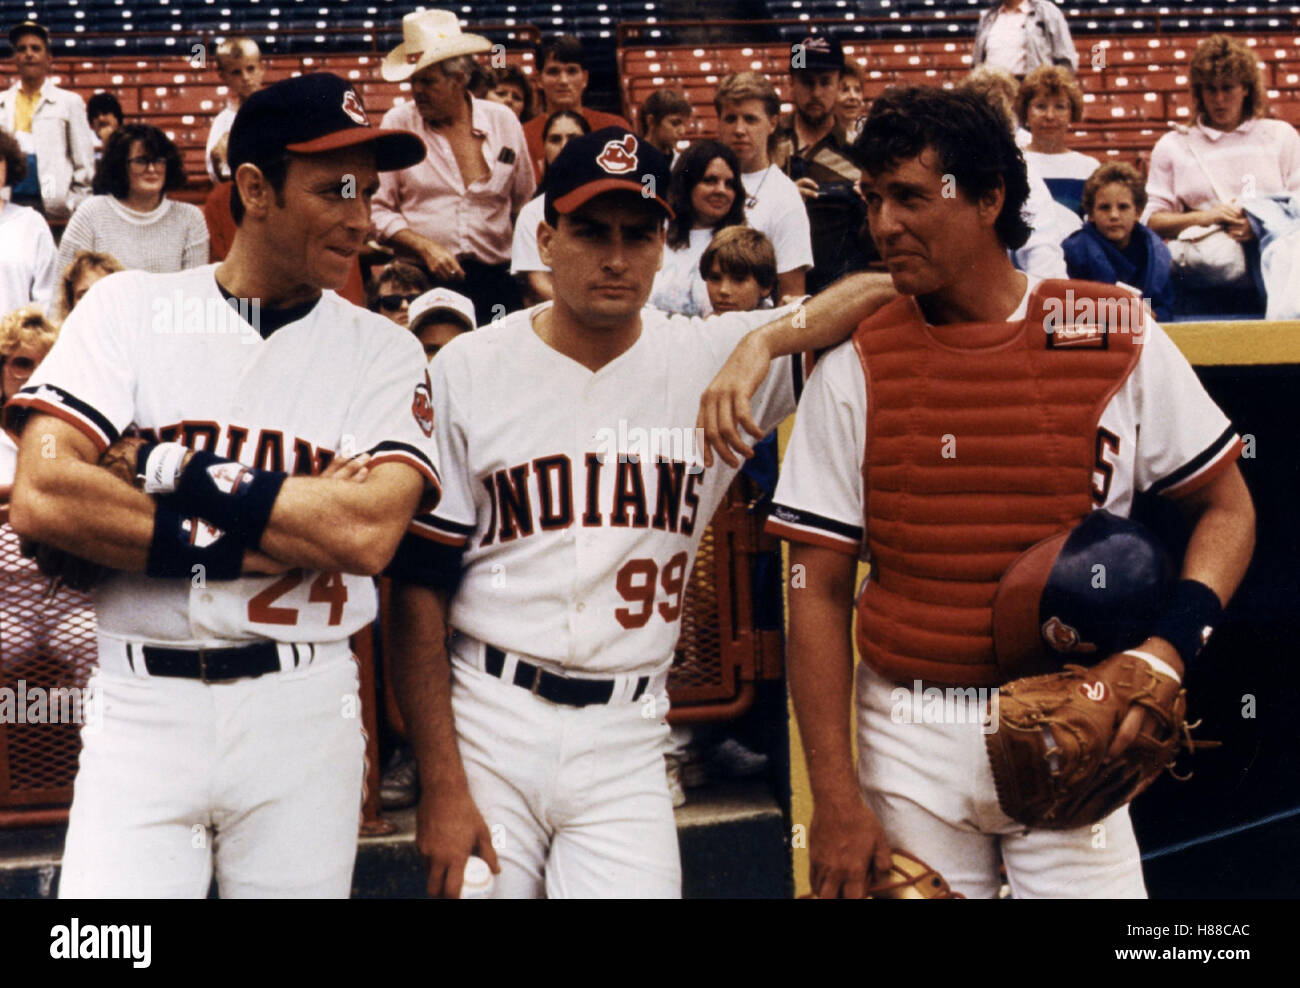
{"type": "Point", "coordinates": [52, 400]}
{"type": "Point", "coordinates": [1203, 467]}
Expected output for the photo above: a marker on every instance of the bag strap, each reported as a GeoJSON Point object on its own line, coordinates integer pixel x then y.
{"type": "Point", "coordinates": [1191, 148]}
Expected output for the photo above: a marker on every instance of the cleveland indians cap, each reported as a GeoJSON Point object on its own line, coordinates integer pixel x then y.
{"type": "Point", "coordinates": [441, 300]}
{"type": "Point", "coordinates": [309, 114]}
{"type": "Point", "coordinates": [606, 160]}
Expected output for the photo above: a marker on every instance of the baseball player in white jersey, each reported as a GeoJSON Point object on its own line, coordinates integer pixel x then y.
{"type": "Point", "coordinates": [231, 737]}
{"type": "Point", "coordinates": [964, 422]}
{"type": "Point", "coordinates": [574, 501]}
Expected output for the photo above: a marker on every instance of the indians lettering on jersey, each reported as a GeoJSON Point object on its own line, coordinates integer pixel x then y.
{"type": "Point", "coordinates": [541, 496]}
{"type": "Point", "coordinates": [268, 446]}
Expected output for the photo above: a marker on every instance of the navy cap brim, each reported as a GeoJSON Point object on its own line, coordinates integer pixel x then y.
{"type": "Point", "coordinates": [394, 149]}
{"type": "Point", "coordinates": [585, 193]}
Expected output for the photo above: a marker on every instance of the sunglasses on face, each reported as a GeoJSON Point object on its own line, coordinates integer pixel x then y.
{"type": "Point", "coordinates": [141, 162]}
{"type": "Point", "coordinates": [391, 303]}
{"type": "Point", "coordinates": [21, 364]}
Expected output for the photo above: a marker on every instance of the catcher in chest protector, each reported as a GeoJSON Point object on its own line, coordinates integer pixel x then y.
{"type": "Point", "coordinates": [978, 415]}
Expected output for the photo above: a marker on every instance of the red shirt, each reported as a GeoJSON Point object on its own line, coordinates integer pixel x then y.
{"type": "Point", "coordinates": [533, 132]}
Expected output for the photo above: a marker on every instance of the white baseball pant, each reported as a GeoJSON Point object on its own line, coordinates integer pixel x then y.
{"type": "Point", "coordinates": [932, 789]}
{"type": "Point", "coordinates": [575, 797]}
{"type": "Point", "coordinates": [260, 777]}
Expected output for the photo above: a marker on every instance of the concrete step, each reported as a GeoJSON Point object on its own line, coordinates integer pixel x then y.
{"type": "Point", "coordinates": [733, 841]}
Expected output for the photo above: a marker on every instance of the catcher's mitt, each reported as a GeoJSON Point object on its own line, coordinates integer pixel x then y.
{"type": "Point", "coordinates": [1048, 753]}
{"type": "Point", "coordinates": [909, 878]}
{"type": "Point", "coordinates": [65, 569]}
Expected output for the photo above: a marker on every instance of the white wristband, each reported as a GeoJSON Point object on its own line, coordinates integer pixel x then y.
{"type": "Point", "coordinates": [1157, 664]}
{"type": "Point", "coordinates": [163, 468]}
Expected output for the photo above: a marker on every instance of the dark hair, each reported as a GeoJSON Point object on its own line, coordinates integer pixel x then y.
{"type": "Point", "coordinates": [513, 75]}
{"type": "Point", "coordinates": [13, 157]}
{"type": "Point", "coordinates": [275, 170]}
{"type": "Point", "coordinates": [970, 137]}
{"type": "Point", "coordinates": [742, 252]}
{"type": "Point", "coordinates": [112, 177]}
{"type": "Point", "coordinates": [573, 115]}
{"type": "Point", "coordinates": [562, 48]}
{"type": "Point", "coordinates": [1115, 173]}
{"type": "Point", "coordinates": [662, 103]}
{"type": "Point", "coordinates": [688, 172]}
{"type": "Point", "coordinates": [405, 274]}
{"type": "Point", "coordinates": [481, 80]}
{"type": "Point", "coordinates": [103, 103]}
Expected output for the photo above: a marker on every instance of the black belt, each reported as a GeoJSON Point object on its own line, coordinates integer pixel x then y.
{"type": "Point", "coordinates": [557, 689]}
{"type": "Point", "coordinates": [211, 665]}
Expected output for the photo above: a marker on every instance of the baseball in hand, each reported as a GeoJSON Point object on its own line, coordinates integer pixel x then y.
{"type": "Point", "coordinates": [478, 879]}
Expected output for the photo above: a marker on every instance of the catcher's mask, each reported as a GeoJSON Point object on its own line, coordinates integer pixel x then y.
{"type": "Point", "coordinates": [1080, 596]}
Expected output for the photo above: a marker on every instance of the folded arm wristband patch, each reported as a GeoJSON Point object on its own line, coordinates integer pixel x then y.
{"type": "Point", "coordinates": [229, 495]}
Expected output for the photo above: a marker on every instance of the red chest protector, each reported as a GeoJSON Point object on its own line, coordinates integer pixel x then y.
{"type": "Point", "coordinates": [981, 441]}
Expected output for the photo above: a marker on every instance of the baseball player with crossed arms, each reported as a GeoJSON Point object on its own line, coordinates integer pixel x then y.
{"type": "Point", "coordinates": [963, 423]}
{"type": "Point", "coordinates": [231, 735]}
{"type": "Point", "coordinates": [540, 738]}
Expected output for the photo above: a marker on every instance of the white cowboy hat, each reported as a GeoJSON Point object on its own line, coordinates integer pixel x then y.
{"type": "Point", "coordinates": [429, 36]}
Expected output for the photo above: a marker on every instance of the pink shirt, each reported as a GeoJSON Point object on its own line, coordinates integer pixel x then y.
{"type": "Point", "coordinates": [431, 198]}
{"type": "Point", "coordinates": [1260, 157]}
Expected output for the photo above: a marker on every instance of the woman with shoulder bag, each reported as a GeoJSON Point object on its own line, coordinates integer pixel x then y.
{"type": "Point", "coordinates": [1202, 174]}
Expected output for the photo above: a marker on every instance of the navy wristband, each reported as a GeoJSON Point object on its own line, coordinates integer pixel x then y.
{"type": "Point", "coordinates": [181, 543]}
{"type": "Point", "coordinates": [229, 495]}
{"type": "Point", "coordinates": [1189, 618]}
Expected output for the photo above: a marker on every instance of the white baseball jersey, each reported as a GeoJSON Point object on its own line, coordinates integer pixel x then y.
{"type": "Point", "coordinates": [572, 492]}
{"type": "Point", "coordinates": [169, 356]}
{"type": "Point", "coordinates": [1160, 432]}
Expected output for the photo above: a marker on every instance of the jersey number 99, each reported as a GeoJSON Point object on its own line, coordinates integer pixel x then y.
{"type": "Point", "coordinates": [638, 582]}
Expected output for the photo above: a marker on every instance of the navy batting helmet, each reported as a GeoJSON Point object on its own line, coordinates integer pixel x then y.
{"type": "Point", "coordinates": [1080, 596]}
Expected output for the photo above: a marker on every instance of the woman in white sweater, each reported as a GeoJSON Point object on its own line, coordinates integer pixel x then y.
{"type": "Point", "coordinates": [1049, 102]}
{"type": "Point", "coordinates": [130, 215]}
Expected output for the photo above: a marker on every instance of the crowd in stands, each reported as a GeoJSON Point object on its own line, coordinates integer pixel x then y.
{"type": "Point", "coordinates": [767, 211]}
{"type": "Point", "coordinates": [87, 179]}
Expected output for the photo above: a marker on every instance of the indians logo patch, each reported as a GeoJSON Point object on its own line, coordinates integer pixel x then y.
{"type": "Point", "coordinates": [1063, 638]}
{"type": "Point", "coordinates": [422, 405]}
{"type": "Point", "coordinates": [353, 108]}
{"type": "Point", "coordinates": [199, 533]}
{"type": "Point", "coordinates": [230, 478]}
{"type": "Point", "coordinates": [618, 157]}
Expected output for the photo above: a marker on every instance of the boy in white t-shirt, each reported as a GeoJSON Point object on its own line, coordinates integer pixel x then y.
{"type": "Point", "coordinates": [748, 106]}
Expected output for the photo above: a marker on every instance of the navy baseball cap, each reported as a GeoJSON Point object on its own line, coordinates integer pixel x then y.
{"type": "Point", "coordinates": [606, 160]}
{"type": "Point", "coordinates": [817, 53]}
{"type": "Point", "coordinates": [310, 114]}
{"type": "Point", "coordinates": [29, 27]}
